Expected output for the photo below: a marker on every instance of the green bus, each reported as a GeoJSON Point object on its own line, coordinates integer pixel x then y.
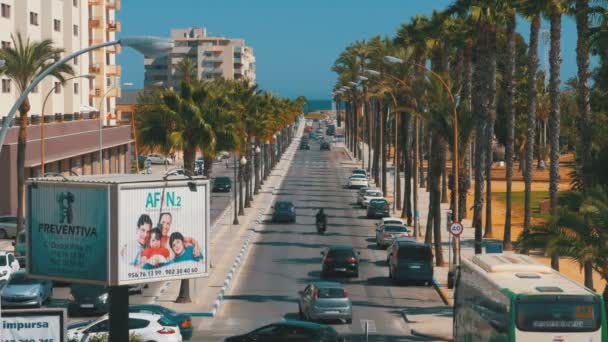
{"type": "Point", "coordinates": [510, 297]}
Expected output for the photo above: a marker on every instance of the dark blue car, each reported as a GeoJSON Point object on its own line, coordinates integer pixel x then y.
{"type": "Point", "coordinates": [182, 320]}
{"type": "Point", "coordinates": [284, 212]}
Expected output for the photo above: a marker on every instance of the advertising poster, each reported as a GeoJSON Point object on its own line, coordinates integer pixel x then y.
{"type": "Point", "coordinates": [162, 233]}
{"type": "Point", "coordinates": [68, 232]}
{"type": "Point", "coordinates": [32, 326]}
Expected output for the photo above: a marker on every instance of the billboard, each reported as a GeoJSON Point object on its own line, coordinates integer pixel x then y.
{"type": "Point", "coordinates": [33, 325]}
{"type": "Point", "coordinates": [162, 232]}
{"type": "Point", "coordinates": [68, 232]}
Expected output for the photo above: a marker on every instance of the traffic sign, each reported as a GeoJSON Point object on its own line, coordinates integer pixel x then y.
{"type": "Point", "coordinates": [456, 228]}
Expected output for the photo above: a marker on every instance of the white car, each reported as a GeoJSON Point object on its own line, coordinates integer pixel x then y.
{"type": "Point", "coordinates": [8, 227]}
{"type": "Point", "coordinates": [8, 265]}
{"type": "Point", "coordinates": [357, 181]}
{"type": "Point", "coordinates": [390, 220]}
{"type": "Point", "coordinates": [158, 159]}
{"type": "Point", "coordinates": [360, 194]}
{"type": "Point", "coordinates": [370, 195]}
{"type": "Point", "coordinates": [359, 172]}
{"type": "Point", "coordinates": [175, 172]}
{"type": "Point", "coordinates": [149, 327]}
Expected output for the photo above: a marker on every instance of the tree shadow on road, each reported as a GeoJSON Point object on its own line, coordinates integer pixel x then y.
{"type": "Point", "coordinates": [262, 298]}
{"type": "Point", "coordinates": [299, 261]}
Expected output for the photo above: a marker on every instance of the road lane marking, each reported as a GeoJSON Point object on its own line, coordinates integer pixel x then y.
{"type": "Point", "coordinates": [371, 325]}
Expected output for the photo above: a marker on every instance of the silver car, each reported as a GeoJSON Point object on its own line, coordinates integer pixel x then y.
{"type": "Point", "coordinates": [324, 300]}
{"type": "Point", "coordinates": [385, 234]}
{"type": "Point", "coordinates": [8, 227]}
{"type": "Point", "coordinates": [360, 194]}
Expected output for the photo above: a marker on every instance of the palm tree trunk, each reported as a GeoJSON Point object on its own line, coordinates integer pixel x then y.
{"type": "Point", "coordinates": [436, 163]}
{"type": "Point", "coordinates": [532, 67]}
{"type": "Point", "coordinates": [421, 154]}
{"type": "Point", "coordinates": [208, 168]}
{"type": "Point", "coordinates": [189, 158]}
{"type": "Point", "coordinates": [510, 112]}
{"type": "Point", "coordinates": [588, 273]}
{"type": "Point", "coordinates": [240, 186]}
{"type": "Point", "coordinates": [377, 148]}
{"type": "Point", "coordinates": [407, 168]}
{"type": "Point", "coordinates": [428, 238]}
{"type": "Point", "coordinates": [383, 145]}
{"type": "Point", "coordinates": [480, 107]}
{"type": "Point", "coordinates": [584, 108]}
{"type": "Point", "coordinates": [554, 116]}
{"type": "Point", "coordinates": [415, 175]}
{"type": "Point", "coordinates": [466, 92]}
{"type": "Point", "coordinates": [397, 160]}
{"type": "Point", "coordinates": [491, 116]}
{"type": "Point", "coordinates": [21, 146]}
{"type": "Point", "coordinates": [444, 181]}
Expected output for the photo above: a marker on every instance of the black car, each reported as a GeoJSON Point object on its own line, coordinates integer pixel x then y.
{"type": "Point", "coordinates": [325, 146]}
{"type": "Point", "coordinates": [304, 145]}
{"type": "Point", "coordinates": [284, 212]}
{"type": "Point", "coordinates": [222, 184]}
{"type": "Point", "coordinates": [340, 260]}
{"type": "Point", "coordinates": [295, 331]}
{"type": "Point", "coordinates": [378, 208]}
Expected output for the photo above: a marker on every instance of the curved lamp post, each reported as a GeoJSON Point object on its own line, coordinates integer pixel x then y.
{"type": "Point", "coordinates": [42, 147]}
{"type": "Point", "coordinates": [148, 46]}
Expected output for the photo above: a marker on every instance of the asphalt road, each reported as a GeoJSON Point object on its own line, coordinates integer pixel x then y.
{"type": "Point", "coordinates": [285, 257]}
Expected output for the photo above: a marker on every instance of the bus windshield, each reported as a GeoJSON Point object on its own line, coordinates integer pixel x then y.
{"type": "Point", "coordinates": [558, 313]}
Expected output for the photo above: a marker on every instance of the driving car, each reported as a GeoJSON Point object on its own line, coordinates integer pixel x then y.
{"type": "Point", "coordinates": [390, 220]}
{"type": "Point", "coordinates": [361, 192]}
{"type": "Point", "coordinates": [386, 233]}
{"type": "Point", "coordinates": [222, 184]}
{"type": "Point", "coordinates": [158, 159]}
{"type": "Point", "coordinates": [180, 319]}
{"type": "Point", "coordinates": [284, 211]}
{"type": "Point", "coordinates": [359, 172]}
{"type": "Point", "coordinates": [357, 181]}
{"type": "Point", "coordinates": [304, 145]}
{"type": "Point", "coordinates": [340, 260]}
{"type": "Point", "coordinates": [290, 330]}
{"type": "Point", "coordinates": [378, 208]}
{"type": "Point", "coordinates": [8, 265]}
{"type": "Point", "coordinates": [411, 261]}
{"type": "Point", "coordinates": [93, 299]}
{"type": "Point", "coordinates": [149, 327]}
{"type": "Point", "coordinates": [370, 195]}
{"type": "Point", "coordinates": [312, 136]}
{"type": "Point", "coordinates": [323, 300]}
{"type": "Point", "coordinates": [325, 146]}
{"type": "Point", "coordinates": [319, 131]}
{"type": "Point", "coordinates": [394, 246]}
{"type": "Point", "coordinates": [8, 227]}
{"type": "Point", "coordinates": [22, 291]}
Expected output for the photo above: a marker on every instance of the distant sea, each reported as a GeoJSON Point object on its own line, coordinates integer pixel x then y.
{"type": "Point", "coordinates": [315, 105]}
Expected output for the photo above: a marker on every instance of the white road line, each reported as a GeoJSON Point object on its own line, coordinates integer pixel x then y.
{"type": "Point", "coordinates": [371, 326]}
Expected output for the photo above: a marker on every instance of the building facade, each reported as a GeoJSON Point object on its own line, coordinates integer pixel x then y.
{"type": "Point", "coordinates": [79, 117]}
{"type": "Point", "coordinates": [213, 57]}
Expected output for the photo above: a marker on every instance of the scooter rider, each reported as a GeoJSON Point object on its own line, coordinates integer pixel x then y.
{"type": "Point", "coordinates": [321, 217]}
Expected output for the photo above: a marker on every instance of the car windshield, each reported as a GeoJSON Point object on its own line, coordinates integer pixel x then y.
{"type": "Point", "coordinates": [222, 180]}
{"type": "Point", "coordinates": [22, 279]}
{"type": "Point", "coordinates": [374, 193]}
{"type": "Point", "coordinates": [378, 203]}
{"type": "Point", "coordinates": [341, 255]}
{"type": "Point", "coordinates": [395, 229]}
{"type": "Point", "coordinates": [331, 293]}
{"type": "Point", "coordinates": [283, 205]}
{"type": "Point", "coordinates": [358, 176]}
{"type": "Point", "coordinates": [415, 252]}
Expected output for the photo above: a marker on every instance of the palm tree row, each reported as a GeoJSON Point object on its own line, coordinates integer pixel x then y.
{"type": "Point", "coordinates": [471, 48]}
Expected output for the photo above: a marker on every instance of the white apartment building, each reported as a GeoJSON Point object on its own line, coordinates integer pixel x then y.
{"type": "Point", "coordinates": [213, 57]}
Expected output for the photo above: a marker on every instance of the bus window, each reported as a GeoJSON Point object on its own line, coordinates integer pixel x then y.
{"type": "Point", "coordinates": [558, 314]}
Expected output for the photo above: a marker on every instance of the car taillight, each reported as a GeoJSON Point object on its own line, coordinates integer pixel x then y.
{"type": "Point", "coordinates": [351, 260]}
{"type": "Point", "coordinates": [166, 331]}
{"type": "Point", "coordinates": [345, 294]}
{"type": "Point", "coordinates": [186, 324]}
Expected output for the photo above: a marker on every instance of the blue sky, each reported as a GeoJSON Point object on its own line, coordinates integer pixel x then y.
{"type": "Point", "coordinates": [295, 41]}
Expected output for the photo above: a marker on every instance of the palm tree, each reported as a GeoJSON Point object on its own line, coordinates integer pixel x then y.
{"type": "Point", "coordinates": [23, 63]}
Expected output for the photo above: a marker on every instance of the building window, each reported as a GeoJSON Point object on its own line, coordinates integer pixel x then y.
{"type": "Point", "coordinates": [57, 25]}
{"type": "Point", "coordinates": [75, 3]}
{"type": "Point", "coordinates": [76, 60]}
{"type": "Point", "coordinates": [75, 30]}
{"type": "Point", "coordinates": [6, 86]}
{"type": "Point", "coordinates": [34, 18]}
{"type": "Point", "coordinates": [6, 10]}
{"type": "Point", "coordinates": [6, 45]}
{"type": "Point", "coordinates": [75, 88]}
{"type": "Point", "coordinates": [57, 87]}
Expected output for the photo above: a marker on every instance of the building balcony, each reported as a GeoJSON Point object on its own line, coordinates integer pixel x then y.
{"type": "Point", "coordinates": [238, 71]}
{"type": "Point", "coordinates": [238, 60]}
{"type": "Point", "coordinates": [114, 26]}
{"type": "Point", "coordinates": [113, 4]}
{"type": "Point", "coordinates": [113, 70]}
{"type": "Point", "coordinates": [94, 68]}
{"type": "Point", "coordinates": [213, 60]}
{"type": "Point", "coordinates": [95, 22]}
{"type": "Point", "coordinates": [213, 71]}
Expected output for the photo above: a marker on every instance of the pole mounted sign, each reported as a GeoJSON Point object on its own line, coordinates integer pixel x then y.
{"type": "Point", "coordinates": [456, 228]}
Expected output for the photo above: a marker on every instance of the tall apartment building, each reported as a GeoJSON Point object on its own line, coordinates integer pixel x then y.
{"type": "Point", "coordinates": [213, 57]}
{"type": "Point", "coordinates": [73, 111]}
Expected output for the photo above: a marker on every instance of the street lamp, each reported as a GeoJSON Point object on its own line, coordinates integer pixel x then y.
{"type": "Point", "coordinates": [148, 46]}
{"type": "Point", "coordinates": [242, 162]}
{"type": "Point", "coordinates": [235, 184]}
{"type": "Point", "coordinates": [258, 176]}
{"type": "Point", "coordinates": [90, 77]}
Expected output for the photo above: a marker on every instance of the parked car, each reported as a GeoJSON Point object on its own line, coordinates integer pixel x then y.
{"type": "Point", "coordinates": [175, 172]}
{"type": "Point", "coordinates": [93, 299]}
{"type": "Point", "coordinates": [8, 227]}
{"type": "Point", "coordinates": [222, 184]}
{"type": "Point", "coordinates": [359, 172]}
{"type": "Point", "coordinates": [340, 260]}
{"type": "Point", "coordinates": [394, 246]}
{"type": "Point", "coordinates": [284, 212]}
{"type": "Point", "coordinates": [290, 331]}
{"type": "Point", "coordinates": [8, 265]}
{"type": "Point", "coordinates": [390, 220]}
{"type": "Point", "coordinates": [325, 146]}
{"type": "Point", "coordinates": [378, 208]}
{"type": "Point", "coordinates": [371, 195]}
{"type": "Point", "coordinates": [182, 320]}
{"type": "Point", "coordinates": [411, 261]}
{"type": "Point", "coordinates": [222, 155]}
{"type": "Point", "coordinates": [20, 244]}
{"type": "Point", "coordinates": [22, 291]}
{"type": "Point", "coordinates": [357, 181]}
{"type": "Point", "coordinates": [304, 145]}
{"type": "Point", "coordinates": [149, 327]}
{"type": "Point", "coordinates": [159, 159]}
{"type": "Point", "coordinates": [323, 300]}
{"type": "Point", "coordinates": [386, 233]}
{"type": "Point", "coordinates": [361, 192]}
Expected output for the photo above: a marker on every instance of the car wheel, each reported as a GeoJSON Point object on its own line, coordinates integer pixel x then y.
{"type": "Point", "coordinates": [3, 234]}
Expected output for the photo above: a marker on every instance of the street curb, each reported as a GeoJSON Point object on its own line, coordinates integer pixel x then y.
{"type": "Point", "coordinates": [431, 336]}
{"type": "Point", "coordinates": [220, 218]}
{"type": "Point", "coordinates": [441, 292]}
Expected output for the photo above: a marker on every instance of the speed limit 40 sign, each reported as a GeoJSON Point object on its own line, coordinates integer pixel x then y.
{"type": "Point", "coordinates": [456, 228]}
